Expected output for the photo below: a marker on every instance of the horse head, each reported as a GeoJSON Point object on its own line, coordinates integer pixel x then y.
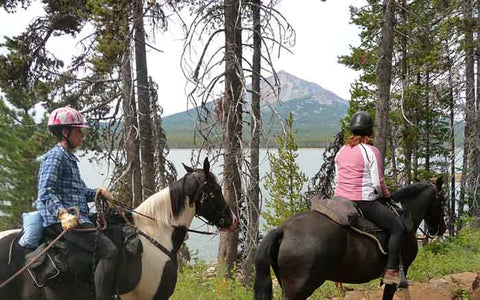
{"type": "Point", "coordinates": [424, 201]}
{"type": "Point", "coordinates": [209, 201]}
{"type": "Point", "coordinates": [435, 216]}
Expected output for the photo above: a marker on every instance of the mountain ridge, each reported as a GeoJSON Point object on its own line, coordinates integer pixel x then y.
{"type": "Point", "coordinates": [316, 111]}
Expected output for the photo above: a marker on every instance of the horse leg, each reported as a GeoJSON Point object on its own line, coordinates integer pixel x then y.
{"type": "Point", "coordinates": [299, 288]}
{"type": "Point", "coordinates": [168, 281]}
{"type": "Point", "coordinates": [389, 291]}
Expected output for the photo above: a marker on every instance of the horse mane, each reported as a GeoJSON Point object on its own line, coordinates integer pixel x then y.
{"type": "Point", "coordinates": [158, 207]}
{"type": "Point", "coordinates": [411, 190]}
{"type": "Point", "coordinates": [169, 202]}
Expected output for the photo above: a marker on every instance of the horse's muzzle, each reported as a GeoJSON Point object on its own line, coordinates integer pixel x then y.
{"type": "Point", "coordinates": [232, 227]}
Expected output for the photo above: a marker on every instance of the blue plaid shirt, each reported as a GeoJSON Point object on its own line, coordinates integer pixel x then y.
{"type": "Point", "coordinates": [60, 186]}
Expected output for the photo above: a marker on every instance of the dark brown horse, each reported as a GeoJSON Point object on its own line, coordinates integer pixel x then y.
{"type": "Point", "coordinates": [309, 248]}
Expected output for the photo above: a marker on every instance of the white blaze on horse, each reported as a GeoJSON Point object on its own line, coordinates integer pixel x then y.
{"type": "Point", "coordinates": [170, 213]}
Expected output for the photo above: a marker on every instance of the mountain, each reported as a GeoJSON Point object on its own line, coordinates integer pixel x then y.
{"type": "Point", "coordinates": [317, 113]}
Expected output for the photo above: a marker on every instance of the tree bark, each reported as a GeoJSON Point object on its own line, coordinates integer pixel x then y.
{"type": "Point", "coordinates": [476, 139]}
{"type": "Point", "coordinates": [254, 189]}
{"type": "Point", "coordinates": [384, 74]}
{"type": "Point", "coordinates": [145, 122]}
{"type": "Point", "coordinates": [232, 126]}
{"type": "Point", "coordinates": [407, 138]}
{"type": "Point", "coordinates": [452, 205]}
{"type": "Point", "coordinates": [466, 186]}
{"type": "Point", "coordinates": [130, 126]}
{"type": "Point", "coordinates": [428, 122]}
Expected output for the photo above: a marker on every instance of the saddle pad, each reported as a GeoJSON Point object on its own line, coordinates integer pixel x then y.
{"type": "Point", "coordinates": [341, 210]}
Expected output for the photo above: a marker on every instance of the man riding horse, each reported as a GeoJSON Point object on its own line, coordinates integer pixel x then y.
{"type": "Point", "coordinates": [360, 179]}
{"type": "Point", "coordinates": [61, 187]}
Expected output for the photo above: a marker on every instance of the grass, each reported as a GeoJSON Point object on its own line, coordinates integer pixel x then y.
{"type": "Point", "coordinates": [437, 259]}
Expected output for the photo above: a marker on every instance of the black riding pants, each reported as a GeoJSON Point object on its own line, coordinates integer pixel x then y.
{"type": "Point", "coordinates": [386, 219]}
{"type": "Point", "coordinates": [106, 252]}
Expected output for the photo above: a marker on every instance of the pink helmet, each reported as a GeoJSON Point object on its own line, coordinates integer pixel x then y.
{"type": "Point", "coordinates": [66, 116]}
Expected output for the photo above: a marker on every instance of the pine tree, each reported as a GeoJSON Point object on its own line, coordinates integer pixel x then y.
{"type": "Point", "coordinates": [285, 181]}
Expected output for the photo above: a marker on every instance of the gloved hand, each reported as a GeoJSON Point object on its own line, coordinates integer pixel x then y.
{"type": "Point", "coordinates": [105, 193]}
{"type": "Point", "coordinates": [68, 220]}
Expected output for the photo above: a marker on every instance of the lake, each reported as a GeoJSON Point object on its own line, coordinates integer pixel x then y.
{"type": "Point", "coordinates": [96, 174]}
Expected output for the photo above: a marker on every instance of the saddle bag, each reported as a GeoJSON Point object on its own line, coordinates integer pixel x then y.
{"type": "Point", "coordinates": [131, 241]}
{"type": "Point", "coordinates": [48, 267]}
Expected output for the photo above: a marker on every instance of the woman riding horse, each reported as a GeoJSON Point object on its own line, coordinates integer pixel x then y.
{"type": "Point", "coordinates": [360, 179]}
{"type": "Point", "coordinates": [61, 187]}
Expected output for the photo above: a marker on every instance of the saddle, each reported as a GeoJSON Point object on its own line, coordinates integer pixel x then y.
{"type": "Point", "coordinates": [345, 213]}
{"type": "Point", "coordinates": [66, 262]}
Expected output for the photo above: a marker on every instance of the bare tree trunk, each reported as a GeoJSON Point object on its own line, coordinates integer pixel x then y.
{"type": "Point", "coordinates": [415, 142]}
{"type": "Point", "coordinates": [452, 206]}
{"type": "Point", "coordinates": [232, 126]}
{"type": "Point", "coordinates": [158, 136]}
{"type": "Point", "coordinates": [468, 159]}
{"type": "Point", "coordinates": [476, 139]}
{"type": "Point", "coordinates": [407, 138]}
{"type": "Point", "coordinates": [393, 160]}
{"type": "Point", "coordinates": [254, 189]}
{"type": "Point", "coordinates": [384, 73]}
{"type": "Point", "coordinates": [145, 122]}
{"type": "Point", "coordinates": [130, 125]}
{"type": "Point", "coordinates": [428, 122]}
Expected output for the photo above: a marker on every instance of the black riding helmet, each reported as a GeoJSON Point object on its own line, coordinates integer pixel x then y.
{"type": "Point", "coordinates": [361, 124]}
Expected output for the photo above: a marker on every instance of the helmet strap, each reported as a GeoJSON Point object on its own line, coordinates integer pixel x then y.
{"type": "Point", "coordinates": [69, 145]}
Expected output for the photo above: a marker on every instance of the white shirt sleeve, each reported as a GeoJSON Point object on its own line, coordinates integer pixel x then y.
{"type": "Point", "coordinates": [375, 174]}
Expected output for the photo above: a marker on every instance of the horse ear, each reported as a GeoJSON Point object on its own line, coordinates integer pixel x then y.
{"type": "Point", "coordinates": [439, 183]}
{"type": "Point", "coordinates": [206, 166]}
{"type": "Point", "coordinates": [187, 168]}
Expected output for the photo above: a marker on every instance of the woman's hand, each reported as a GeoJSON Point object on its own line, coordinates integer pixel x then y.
{"type": "Point", "coordinates": [105, 193]}
{"type": "Point", "coordinates": [68, 220]}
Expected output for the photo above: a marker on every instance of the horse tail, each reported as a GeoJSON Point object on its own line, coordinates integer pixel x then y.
{"type": "Point", "coordinates": [267, 255]}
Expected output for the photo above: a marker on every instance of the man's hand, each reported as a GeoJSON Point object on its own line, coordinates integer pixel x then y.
{"type": "Point", "coordinates": [105, 193]}
{"type": "Point", "coordinates": [68, 220]}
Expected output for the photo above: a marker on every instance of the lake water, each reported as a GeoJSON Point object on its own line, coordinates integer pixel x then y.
{"type": "Point", "coordinates": [96, 174]}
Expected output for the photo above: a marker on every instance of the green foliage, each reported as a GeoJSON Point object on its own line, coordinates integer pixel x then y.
{"type": "Point", "coordinates": [459, 254]}
{"type": "Point", "coordinates": [193, 283]}
{"type": "Point", "coordinates": [21, 143]}
{"type": "Point", "coordinates": [285, 181]}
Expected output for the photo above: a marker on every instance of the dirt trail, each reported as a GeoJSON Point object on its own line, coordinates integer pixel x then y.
{"type": "Point", "coordinates": [456, 286]}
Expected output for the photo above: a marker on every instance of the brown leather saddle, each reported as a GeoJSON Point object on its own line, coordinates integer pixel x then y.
{"type": "Point", "coordinates": [345, 213]}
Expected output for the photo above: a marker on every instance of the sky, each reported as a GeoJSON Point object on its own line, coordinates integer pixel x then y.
{"type": "Point", "coordinates": [323, 32]}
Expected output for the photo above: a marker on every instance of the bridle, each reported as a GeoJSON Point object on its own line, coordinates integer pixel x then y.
{"type": "Point", "coordinates": [437, 202]}
{"type": "Point", "coordinates": [202, 197]}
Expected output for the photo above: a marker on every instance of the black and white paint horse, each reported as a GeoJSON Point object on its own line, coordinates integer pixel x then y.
{"type": "Point", "coordinates": [173, 209]}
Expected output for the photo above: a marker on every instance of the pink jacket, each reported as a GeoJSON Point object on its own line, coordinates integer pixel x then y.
{"type": "Point", "coordinates": [360, 173]}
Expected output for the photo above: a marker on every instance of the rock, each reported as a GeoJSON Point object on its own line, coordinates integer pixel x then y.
{"type": "Point", "coordinates": [442, 282]}
{"type": "Point", "coordinates": [476, 283]}
{"type": "Point", "coordinates": [475, 294]}
{"type": "Point", "coordinates": [464, 279]}
{"type": "Point", "coordinates": [424, 291]}
{"type": "Point", "coordinates": [354, 295]}
{"type": "Point", "coordinates": [211, 272]}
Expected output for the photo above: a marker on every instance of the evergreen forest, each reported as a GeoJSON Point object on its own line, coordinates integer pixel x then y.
{"type": "Point", "coordinates": [418, 67]}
